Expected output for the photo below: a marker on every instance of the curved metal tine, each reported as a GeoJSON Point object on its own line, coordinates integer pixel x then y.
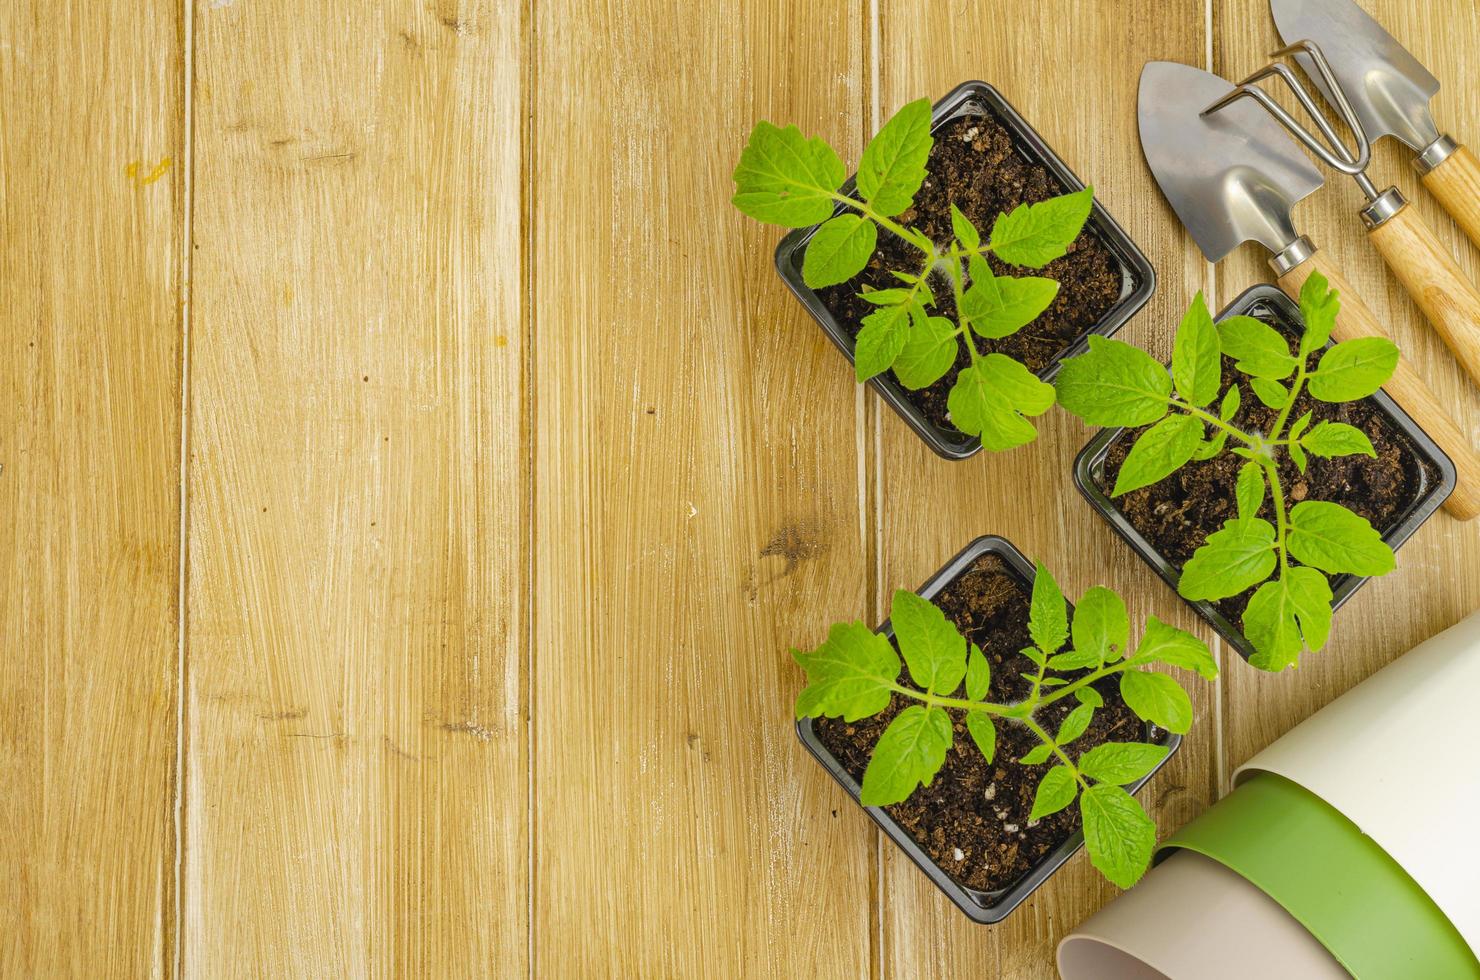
{"type": "Point", "coordinates": [1343, 105]}
{"type": "Point", "coordinates": [1247, 89]}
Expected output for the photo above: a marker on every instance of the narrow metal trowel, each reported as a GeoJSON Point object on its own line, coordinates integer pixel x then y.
{"type": "Point", "coordinates": [1233, 176]}
{"type": "Point", "coordinates": [1389, 90]}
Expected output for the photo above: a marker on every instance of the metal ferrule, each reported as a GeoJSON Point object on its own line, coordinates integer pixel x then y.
{"type": "Point", "coordinates": [1291, 255]}
{"type": "Point", "coordinates": [1434, 154]}
{"type": "Point", "coordinates": [1383, 207]}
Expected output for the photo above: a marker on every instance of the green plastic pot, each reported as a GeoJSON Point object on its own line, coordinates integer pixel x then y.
{"type": "Point", "coordinates": [1336, 881]}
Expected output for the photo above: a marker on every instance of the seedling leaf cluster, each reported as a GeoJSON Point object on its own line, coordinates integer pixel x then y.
{"type": "Point", "coordinates": [1287, 551]}
{"type": "Point", "coordinates": [857, 673]}
{"type": "Point", "coordinates": [786, 179]}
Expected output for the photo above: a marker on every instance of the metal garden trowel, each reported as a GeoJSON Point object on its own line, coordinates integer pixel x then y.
{"type": "Point", "coordinates": [1389, 90]}
{"type": "Point", "coordinates": [1233, 176]}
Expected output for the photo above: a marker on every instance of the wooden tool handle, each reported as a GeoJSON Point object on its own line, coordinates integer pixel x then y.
{"type": "Point", "coordinates": [1456, 183]}
{"type": "Point", "coordinates": [1405, 386]}
{"type": "Point", "coordinates": [1430, 275]}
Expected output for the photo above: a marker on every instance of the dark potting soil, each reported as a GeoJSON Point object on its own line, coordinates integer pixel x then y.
{"type": "Point", "coordinates": [972, 820]}
{"type": "Point", "coordinates": [974, 165]}
{"type": "Point", "coordinates": [1177, 515]}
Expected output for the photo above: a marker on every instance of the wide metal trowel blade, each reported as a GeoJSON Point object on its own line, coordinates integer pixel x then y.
{"type": "Point", "coordinates": [1232, 176]}
{"type": "Point", "coordinates": [1387, 87]}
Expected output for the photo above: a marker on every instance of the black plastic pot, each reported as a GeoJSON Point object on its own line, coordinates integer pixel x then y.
{"type": "Point", "coordinates": [1266, 302]}
{"type": "Point", "coordinates": [980, 906]}
{"type": "Point", "coordinates": [1138, 278]}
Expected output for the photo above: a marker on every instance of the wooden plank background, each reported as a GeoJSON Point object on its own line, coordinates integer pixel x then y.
{"type": "Point", "coordinates": [412, 477]}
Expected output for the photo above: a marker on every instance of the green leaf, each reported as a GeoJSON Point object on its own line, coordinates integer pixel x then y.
{"type": "Point", "coordinates": [1159, 452]}
{"type": "Point", "coordinates": [1329, 439]}
{"type": "Point", "coordinates": [979, 726]}
{"type": "Point", "coordinates": [1101, 628]}
{"type": "Point", "coordinates": [1157, 698]}
{"type": "Point", "coordinates": [1211, 448]}
{"type": "Point", "coordinates": [908, 754]}
{"type": "Point", "coordinates": [1119, 763]}
{"type": "Point", "coordinates": [1236, 556]}
{"type": "Point", "coordinates": [1035, 655]}
{"type": "Point", "coordinates": [1035, 234]}
{"type": "Point", "coordinates": [991, 397]}
{"type": "Point", "coordinates": [928, 353]}
{"type": "Point", "coordinates": [881, 337]}
{"type": "Point", "coordinates": [885, 297]}
{"type": "Point", "coordinates": [1286, 616]}
{"type": "Point", "coordinates": [893, 164]}
{"type": "Point", "coordinates": [838, 251]}
{"type": "Point", "coordinates": [849, 676]}
{"type": "Point", "coordinates": [1298, 429]}
{"type": "Point", "coordinates": [1088, 695]}
{"type": "Point", "coordinates": [1229, 406]}
{"type": "Point", "coordinates": [1114, 384]}
{"type": "Point", "coordinates": [1353, 369]}
{"type": "Point", "coordinates": [1048, 617]}
{"type": "Point", "coordinates": [785, 179]}
{"type": "Point", "coordinates": [1258, 348]}
{"type": "Point", "coordinates": [998, 306]}
{"type": "Point", "coordinates": [1196, 360]}
{"type": "Point", "coordinates": [1056, 790]}
{"type": "Point", "coordinates": [1319, 305]}
{"type": "Point", "coordinates": [933, 648]}
{"type": "Point", "coordinates": [964, 230]}
{"type": "Point", "coordinates": [1330, 537]}
{"type": "Point", "coordinates": [1037, 755]}
{"type": "Point", "coordinates": [1075, 723]}
{"type": "Point", "coordinates": [1273, 394]}
{"type": "Point", "coordinates": [1117, 833]}
{"type": "Point", "coordinates": [1163, 644]}
{"type": "Point", "coordinates": [1073, 659]}
{"type": "Point", "coordinates": [978, 674]}
{"type": "Point", "coordinates": [1249, 490]}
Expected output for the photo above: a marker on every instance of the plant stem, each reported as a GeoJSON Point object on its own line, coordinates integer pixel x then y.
{"type": "Point", "coordinates": [1044, 737]}
{"type": "Point", "coordinates": [1212, 420]}
{"type": "Point", "coordinates": [915, 238]}
{"type": "Point", "coordinates": [1282, 522]}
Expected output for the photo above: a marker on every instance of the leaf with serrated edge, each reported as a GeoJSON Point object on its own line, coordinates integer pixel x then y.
{"type": "Point", "coordinates": [1196, 360]}
{"type": "Point", "coordinates": [979, 726]}
{"type": "Point", "coordinates": [1248, 492]}
{"type": "Point", "coordinates": [1237, 555]}
{"type": "Point", "coordinates": [998, 306]}
{"type": "Point", "coordinates": [1117, 833]}
{"type": "Point", "coordinates": [928, 353]}
{"type": "Point", "coordinates": [1036, 756]}
{"type": "Point", "coordinates": [1158, 452]}
{"type": "Point", "coordinates": [838, 251]}
{"type": "Point", "coordinates": [1048, 616]}
{"type": "Point", "coordinates": [1121, 763]}
{"type": "Point", "coordinates": [881, 337]}
{"type": "Point", "coordinates": [1287, 615]}
{"type": "Point", "coordinates": [908, 754]}
{"type": "Point", "coordinates": [1056, 790]}
{"type": "Point", "coordinates": [964, 230]}
{"type": "Point", "coordinates": [1330, 537]}
{"type": "Point", "coordinates": [785, 179]}
{"type": "Point", "coordinates": [1114, 384]}
{"type": "Point", "coordinates": [1163, 644]}
{"type": "Point", "coordinates": [990, 398]}
{"type": "Point", "coordinates": [1075, 724]}
{"type": "Point", "coordinates": [1229, 406]}
{"type": "Point", "coordinates": [1258, 348]}
{"type": "Point", "coordinates": [978, 674]}
{"type": "Point", "coordinates": [1088, 695]}
{"type": "Point", "coordinates": [1157, 698]}
{"type": "Point", "coordinates": [1353, 369]}
{"type": "Point", "coordinates": [893, 164]}
{"type": "Point", "coordinates": [1271, 393]}
{"type": "Point", "coordinates": [850, 676]}
{"type": "Point", "coordinates": [933, 648]}
{"type": "Point", "coordinates": [1318, 308]}
{"type": "Point", "coordinates": [1101, 627]}
{"type": "Point", "coordinates": [1330, 439]}
{"type": "Point", "coordinates": [1033, 235]}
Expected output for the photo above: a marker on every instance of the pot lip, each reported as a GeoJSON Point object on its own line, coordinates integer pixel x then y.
{"type": "Point", "coordinates": [979, 906]}
{"type": "Point", "coordinates": [1430, 497]}
{"type": "Point", "coordinates": [1138, 276]}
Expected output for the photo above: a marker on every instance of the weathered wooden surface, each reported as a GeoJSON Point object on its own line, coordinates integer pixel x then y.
{"type": "Point", "coordinates": [510, 473]}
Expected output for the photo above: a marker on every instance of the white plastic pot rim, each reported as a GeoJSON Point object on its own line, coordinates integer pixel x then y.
{"type": "Point", "coordinates": [1397, 756]}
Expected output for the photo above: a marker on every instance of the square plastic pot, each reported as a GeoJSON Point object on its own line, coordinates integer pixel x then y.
{"type": "Point", "coordinates": [980, 906]}
{"type": "Point", "coordinates": [1138, 279]}
{"type": "Point", "coordinates": [1089, 468]}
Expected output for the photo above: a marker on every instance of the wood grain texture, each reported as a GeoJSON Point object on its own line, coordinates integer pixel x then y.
{"type": "Point", "coordinates": [930, 508]}
{"type": "Point", "coordinates": [1437, 580]}
{"type": "Point", "coordinates": [1455, 184]}
{"type": "Point", "coordinates": [698, 503]}
{"type": "Point", "coordinates": [91, 108]}
{"type": "Point", "coordinates": [356, 748]}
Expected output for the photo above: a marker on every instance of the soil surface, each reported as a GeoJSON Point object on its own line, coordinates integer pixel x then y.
{"type": "Point", "coordinates": [973, 819]}
{"type": "Point", "coordinates": [974, 165]}
{"type": "Point", "coordinates": [1177, 515]}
